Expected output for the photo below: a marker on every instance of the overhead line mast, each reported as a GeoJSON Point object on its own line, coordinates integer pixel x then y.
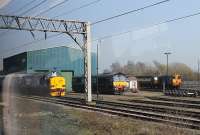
{"type": "Point", "coordinates": [74, 29]}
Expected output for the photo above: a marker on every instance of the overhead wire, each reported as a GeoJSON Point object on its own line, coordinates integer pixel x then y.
{"type": "Point", "coordinates": [55, 35]}
{"type": "Point", "coordinates": [28, 10]}
{"type": "Point", "coordinates": [47, 10]}
{"type": "Point", "coordinates": [33, 7]}
{"type": "Point", "coordinates": [77, 8]}
{"type": "Point", "coordinates": [153, 25]}
{"type": "Point", "coordinates": [118, 34]}
{"type": "Point", "coordinates": [65, 13]}
{"type": "Point", "coordinates": [180, 18]}
{"type": "Point", "coordinates": [129, 12]}
{"type": "Point", "coordinates": [8, 3]}
{"type": "Point", "coordinates": [21, 8]}
{"type": "Point", "coordinates": [40, 14]}
{"type": "Point", "coordinates": [122, 14]}
{"type": "Point", "coordinates": [18, 10]}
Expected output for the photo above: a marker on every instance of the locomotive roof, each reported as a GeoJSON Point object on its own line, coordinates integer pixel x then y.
{"type": "Point", "coordinates": [132, 78]}
{"type": "Point", "coordinates": [112, 74]}
{"type": "Point", "coordinates": [106, 75]}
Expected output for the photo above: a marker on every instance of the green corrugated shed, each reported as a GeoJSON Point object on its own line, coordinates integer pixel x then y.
{"type": "Point", "coordinates": [67, 60]}
{"type": "Point", "coordinates": [61, 58]}
{"type": "Point", "coordinates": [15, 63]}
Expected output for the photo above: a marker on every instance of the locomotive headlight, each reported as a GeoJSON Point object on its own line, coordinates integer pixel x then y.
{"type": "Point", "coordinates": [156, 78]}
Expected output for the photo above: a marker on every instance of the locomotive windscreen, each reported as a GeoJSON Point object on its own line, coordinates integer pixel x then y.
{"type": "Point", "coordinates": [119, 78]}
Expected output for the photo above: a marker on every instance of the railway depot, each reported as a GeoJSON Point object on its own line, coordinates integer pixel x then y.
{"type": "Point", "coordinates": [68, 61]}
{"type": "Point", "coordinates": [116, 93]}
{"type": "Point", "coordinates": [114, 80]}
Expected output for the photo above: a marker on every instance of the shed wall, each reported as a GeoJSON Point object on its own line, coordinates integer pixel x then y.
{"type": "Point", "coordinates": [61, 58]}
{"type": "Point", "coordinates": [16, 63]}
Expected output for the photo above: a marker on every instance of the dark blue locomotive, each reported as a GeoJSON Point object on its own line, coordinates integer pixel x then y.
{"type": "Point", "coordinates": [159, 82]}
{"type": "Point", "coordinates": [107, 83]}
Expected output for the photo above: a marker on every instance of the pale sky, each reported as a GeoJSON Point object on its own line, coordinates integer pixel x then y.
{"type": "Point", "coordinates": [143, 43]}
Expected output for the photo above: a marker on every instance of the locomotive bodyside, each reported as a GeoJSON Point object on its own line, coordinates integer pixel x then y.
{"type": "Point", "coordinates": [37, 84]}
{"type": "Point", "coordinates": [170, 82]}
{"type": "Point", "coordinates": [107, 83]}
{"type": "Point", "coordinates": [157, 82]}
{"type": "Point", "coordinates": [147, 81]}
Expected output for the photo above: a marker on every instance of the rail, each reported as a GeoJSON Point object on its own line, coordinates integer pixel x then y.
{"type": "Point", "coordinates": [186, 120]}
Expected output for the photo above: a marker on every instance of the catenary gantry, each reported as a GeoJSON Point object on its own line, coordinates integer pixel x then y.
{"type": "Point", "coordinates": [79, 31]}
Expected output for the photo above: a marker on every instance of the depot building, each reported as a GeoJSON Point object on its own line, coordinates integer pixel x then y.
{"type": "Point", "coordinates": [68, 61]}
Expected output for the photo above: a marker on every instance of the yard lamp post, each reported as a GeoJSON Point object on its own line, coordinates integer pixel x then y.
{"type": "Point", "coordinates": [167, 54]}
{"type": "Point", "coordinates": [97, 62]}
{"type": "Point", "coordinates": [198, 63]}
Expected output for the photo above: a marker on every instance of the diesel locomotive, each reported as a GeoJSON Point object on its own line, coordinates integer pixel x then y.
{"type": "Point", "coordinates": [160, 82]}
{"type": "Point", "coordinates": [39, 84]}
{"type": "Point", "coordinates": [107, 83]}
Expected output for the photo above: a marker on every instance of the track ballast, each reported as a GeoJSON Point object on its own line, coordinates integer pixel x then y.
{"type": "Point", "coordinates": [174, 117]}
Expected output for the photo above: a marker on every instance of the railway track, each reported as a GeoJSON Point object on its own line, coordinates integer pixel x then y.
{"type": "Point", "coordinates": [186, 120]}
{"type": "Point", "coordinates": [148, 107]}
{"type": "Point", "coordinates": [196, 102]}
{"type": "Point", "coordinates": [168, 103]}
{"type": "Point", "coordinates": [182, 92]}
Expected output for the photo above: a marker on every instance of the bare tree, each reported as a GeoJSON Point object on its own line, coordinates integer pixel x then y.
{"type": "Point", "coordinates": [141, 68]}
{"type": "Point", "coordinates": [160, 68]}
{"type": "Point", "coordinates": [116, 67]}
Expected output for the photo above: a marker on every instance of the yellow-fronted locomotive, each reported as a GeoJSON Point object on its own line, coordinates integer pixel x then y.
{"type": "Point", "coordinates": [57, 86]}
{"type": "Point", "coordinates": [120, 82]}
{"type": "Point", "coordinates": [170, 82]}
{"type": "Point", "coordinates": [176, 81]}
{"type": "Point", "coordinates": [39, 84]}
{"type": "Point", "coordinates": [107, 83]}
{"type": "Point", "coordinates": [158, 82]}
